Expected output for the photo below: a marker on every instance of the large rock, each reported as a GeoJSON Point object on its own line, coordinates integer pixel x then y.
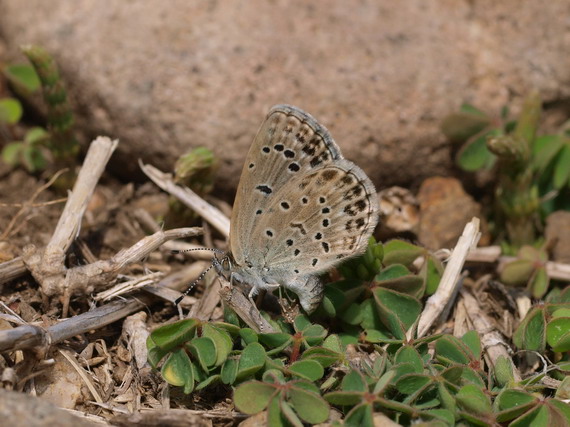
{"type": "Point", "coordinates": [167, 76]}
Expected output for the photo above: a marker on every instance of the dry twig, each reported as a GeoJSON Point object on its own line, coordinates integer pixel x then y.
{"type": "Point", "coordinates": [449, 283]}
{"type": "Point", "coordinates": [210, 213]}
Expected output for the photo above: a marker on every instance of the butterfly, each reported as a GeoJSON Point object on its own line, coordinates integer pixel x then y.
{"type": "Point", "coordinates": [301, 208]}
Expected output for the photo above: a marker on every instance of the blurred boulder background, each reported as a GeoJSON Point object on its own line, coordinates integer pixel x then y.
{"type": "Point", "coordinates": [167, 76]}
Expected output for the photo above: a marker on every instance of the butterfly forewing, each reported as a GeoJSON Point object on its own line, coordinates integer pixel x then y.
{"type": "Point", "coordinates": [288, 146]}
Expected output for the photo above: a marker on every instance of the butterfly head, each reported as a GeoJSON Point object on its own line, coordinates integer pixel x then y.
{"type": "Point", "coordinates": [225, 265]}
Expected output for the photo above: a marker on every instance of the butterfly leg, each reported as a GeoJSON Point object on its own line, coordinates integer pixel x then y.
{"type": "Point", "coordinates": [261, 292]}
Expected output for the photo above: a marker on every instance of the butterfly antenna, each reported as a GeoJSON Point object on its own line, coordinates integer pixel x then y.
{"type": "Point", "coordinates": [191, 286]}
{"type": "Point", "coordinates": [217, 251]}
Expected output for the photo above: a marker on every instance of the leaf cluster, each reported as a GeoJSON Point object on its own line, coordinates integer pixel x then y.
{"type": "Point", "coordinates": [39, 145]}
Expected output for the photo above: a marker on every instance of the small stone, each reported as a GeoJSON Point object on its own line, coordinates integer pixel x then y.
{"type": "Point", "coordinates": [445, 208]}
{"type": "Point", "coordinates": [399, 211]}
{"type": "Point", "coordinates": [558, 232]}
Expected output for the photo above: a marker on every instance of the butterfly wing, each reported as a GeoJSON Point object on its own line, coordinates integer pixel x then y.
{"type": "Point", "coordinates": [289, 144]}
{"type": "Point", "coordinates": [324, 216]}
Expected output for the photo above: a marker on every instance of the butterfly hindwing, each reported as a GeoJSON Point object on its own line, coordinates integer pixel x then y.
{"type": "Point", "coordinates": [322, 217]}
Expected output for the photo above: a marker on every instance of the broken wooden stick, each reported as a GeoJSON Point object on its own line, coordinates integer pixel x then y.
{"type": "Point", "coordinates": [449, 283]}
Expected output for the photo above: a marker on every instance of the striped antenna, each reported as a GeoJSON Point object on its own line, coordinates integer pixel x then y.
{"type": "Point", "coordinates": [218, 251]}
{"type": "Point", "coordinates": [203, 274]}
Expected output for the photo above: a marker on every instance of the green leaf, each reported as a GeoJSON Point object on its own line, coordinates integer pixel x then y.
{"type": "Point", "coordinates": [450, 350]}
{"type": "Point", "coordinates": [301, 322]}
{"type": "Point", "coordinates": [275, 416]}
{"type": "Point", "coordinates": [276, 341]}
{"type": "Point", "coordinates": [517, 272]}
{"type": "Point", "coordinates": [307, 369]}
{"type": "Point", "coordinates": [210, 381]}
{"type": "Point", "coordinates": [352, 315]}
{"type": "Point", "coordinates": [229, 371]}
{"type": "Point", "coordinates": [471, 109]}
{"type": "Point", "coordinates": [344, 398]}
{"type": "Point", "coordinates": [10, 110]}
{"type": "Point", "coordinates": [290, 415]}
{"type": "Point", "coordinates": [155, 355]}
{"type": "Point", "coordinates": [248, 335]}
{"type": "Point", "coordinates": [447, 400]}
{"type": "Point", "coordinates": [562, 170]}
{"type": "Point", "coordinates": [375, 336]}
{"type": "Point", "coordinates": [389, 378]}
{"type": "Point", "coordinates": [11, 153]}
{"type": "Point", "coordinates": [253, 396]}
{"type": "Point", "coordinates": [411, 284]}
{"type": "Point", "coordinates": [204, 350]}
{"type": "Point", "coordinates": [324, 356]}
{"type": "Point", "coordinates": [537, 417]}
{"type": "Point", "coordinates": [370, 317]}
{"type": "Point", "coordinates": [23, 75]}
{"type": "Point", "coordinates": [563, 391]}
{"type": "Point", "coordinates": [393, 272]}
{"type": "Point", "coordinates": [310, 407]}
{"type": "Point", "coordinates": [274, 376]}
{"type": "Point", "coordinates": [474, 154]}
{"type": "Point", "coordinates": [174, 335]}
{"type": "Point", "coordinates": [440, 414]}
{"type": "Point", "coordinates": [531, 333]}
{"type": "Point", "coordinates": [398, 311]}
{"type": "Point", "coordinates": [470, 376]}
{"type": "Point", "coordinates": [473, 400]}
{"type": "Point", "coordinates": [332, 342]}
{"type": "Point", "coordinates": [411, 383]}
{"type": "Point", "coordinates": [400, 370]}
{"type": "Point", "coordinates": [504, 371]}
{"type": "Point", "coordinates": [562, 409]}
{"type": "Point", "coordinates": [401, 252]}
{"type": "Point", "coordinates": [222, 342]}
{"type": "Point", "coordinates": [360, 416]}
{"type": "Point", "coordinates": [354, 381]}
{"type": "Point", "coordinates": [33, 159]}
{"type": "Point", "coordinates": [461, 126]}
{"type": "Point", "coordinates": [314, 334]}
{"type": "Point", "coordinates": [36, 135]}
{"type": "Point", "coordinates": [431, 273]}
{"type": "Point", "coordinates": [539, 283]}
{"type": "Point", "coordinates": [558, 334]}
{"type": "Point", "coordinates": [408, 354]}
{"type": "Point", "coordinates": [251, 360]}
{"type": "Point", "coordinates": [177, 370]}
{"type": "Point", "coordinates": [545, 148]}
{"type": "Point", "coordinates": [472, 341]}
{"type": "Point", "coordinates": [513, 403]}
{"type": "Point", "coordinates": [452, 374]}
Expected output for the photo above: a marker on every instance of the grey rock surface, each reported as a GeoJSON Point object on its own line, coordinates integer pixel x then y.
{"type": "Point", "coordinates": [167, 76]}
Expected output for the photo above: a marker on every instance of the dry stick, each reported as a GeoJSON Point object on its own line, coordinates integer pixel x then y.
{"type": "Point", "coordinates": [491, 339]}
{"type": "Point", "coordinates": [89, 278]}
{"type": "Point", "coordinates": [12, 269]}
{"type": "Point", "coordinates": [448, 286]}
{"type": "Point", "coordinates": [47, 266]}
{"type": "Point", "coordinates": [128, 286]}
{"type": "Point", "coordinates": [554, 270]}
{"type": "Point", "coordinates": [148, 223]}
{"type": "Point", "coordinates": [244, 308]}
{"type": "Point", "coordinates": [31, 336]}
{"type": "Point", "coordinates": [210, 213]}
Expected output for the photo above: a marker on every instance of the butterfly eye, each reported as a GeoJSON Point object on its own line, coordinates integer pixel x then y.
{"type": "Point", "coordinates": [226, 264]}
